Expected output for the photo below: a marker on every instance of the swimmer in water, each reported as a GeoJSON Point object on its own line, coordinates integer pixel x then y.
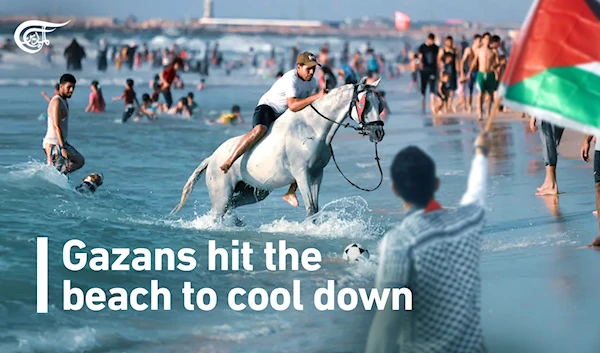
{"type": "Point", "coordinates": [191, 103]}
{"type": "Point", "coordinates": [235, 117]}
{"type": "Point", "coordinates": [201, 85]}
{"type": "Point", "coordinates": [146, 108]}
{"type": "Point", "coordinates": [181, 109]}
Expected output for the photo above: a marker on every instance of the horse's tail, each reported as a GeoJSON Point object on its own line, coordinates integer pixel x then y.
{"type": "Point", "coordinates": [189, 186]}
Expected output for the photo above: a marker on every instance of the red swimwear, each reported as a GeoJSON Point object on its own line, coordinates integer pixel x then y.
{"type": "Point", "coordinates": [169, 76]}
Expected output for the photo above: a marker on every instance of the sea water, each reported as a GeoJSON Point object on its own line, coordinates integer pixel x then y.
{"type": "Point", "coordinates": [539, 291]}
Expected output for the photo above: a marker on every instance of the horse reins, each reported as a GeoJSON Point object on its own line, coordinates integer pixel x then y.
{"type": "Point", "coordinates": [361, 131]}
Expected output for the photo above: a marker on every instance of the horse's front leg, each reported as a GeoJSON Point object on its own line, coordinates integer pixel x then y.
{"type": "Point", "coordinates": [309, 185]}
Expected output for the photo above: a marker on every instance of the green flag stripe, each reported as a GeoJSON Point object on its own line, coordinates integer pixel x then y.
{"type": "Point", "coordinates": [570, 92]}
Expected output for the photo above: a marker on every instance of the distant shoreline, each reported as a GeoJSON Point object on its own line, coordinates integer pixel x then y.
{"type": "Point", "coordinates": [8, 25]}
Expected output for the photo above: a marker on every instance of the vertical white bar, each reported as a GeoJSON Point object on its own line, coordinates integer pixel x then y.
{"type": "Point", "coordinates": [42, 275]}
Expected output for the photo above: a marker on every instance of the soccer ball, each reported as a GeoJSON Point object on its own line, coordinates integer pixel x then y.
{"type": "Point", "coordinates": [355, 252]}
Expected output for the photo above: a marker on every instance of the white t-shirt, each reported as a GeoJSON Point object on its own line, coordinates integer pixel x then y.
{"type": "Point", "coordinates": [290, 85]}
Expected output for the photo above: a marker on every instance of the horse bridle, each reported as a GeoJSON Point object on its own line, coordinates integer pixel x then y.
{"type": "Point", "coordinates": [361, 129]}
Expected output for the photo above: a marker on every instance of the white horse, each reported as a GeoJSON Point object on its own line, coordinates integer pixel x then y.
{"type": "Point", "coordinates": [296, 148]}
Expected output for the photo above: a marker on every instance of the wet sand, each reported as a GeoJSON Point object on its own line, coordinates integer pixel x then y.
{"type": "Point", "coordinates": [570, 145]}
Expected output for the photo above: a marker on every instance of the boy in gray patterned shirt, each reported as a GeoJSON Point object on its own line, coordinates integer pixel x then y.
{"type": "Point", "coordinates": [435, 253]}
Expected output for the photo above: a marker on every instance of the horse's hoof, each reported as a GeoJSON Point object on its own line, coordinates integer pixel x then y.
{"type": "Point", "coordinates": [314, 219]}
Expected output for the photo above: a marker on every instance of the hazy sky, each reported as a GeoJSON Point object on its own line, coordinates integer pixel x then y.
{"type": "Point", "coordinates": [471, 10]}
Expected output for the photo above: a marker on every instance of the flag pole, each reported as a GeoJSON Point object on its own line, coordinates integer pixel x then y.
{"type": "Point", "coordinates": [495, 112]}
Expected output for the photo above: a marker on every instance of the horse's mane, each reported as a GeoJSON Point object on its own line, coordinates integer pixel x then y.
{"type": "Point", "coordinates": [332, 98]}
{"type": "Point", "coordinates": [334, 95]}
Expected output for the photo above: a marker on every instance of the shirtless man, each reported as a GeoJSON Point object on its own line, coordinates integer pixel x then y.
{"type": "Point", "coordinates": [292, 91]}
{"type": "Point", "coordinates": [464, 66]}
{"type": "Point", "coordinates": [487, 62]}
{"type": "Point", "coordinates": [59, 153]}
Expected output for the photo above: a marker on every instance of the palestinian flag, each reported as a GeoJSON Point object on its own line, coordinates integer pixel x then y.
{"type": "Point", "coordinates": [554, 70]}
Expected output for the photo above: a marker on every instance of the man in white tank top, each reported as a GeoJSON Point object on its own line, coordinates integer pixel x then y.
{"type": "Point", "coordinates": [59, 152]}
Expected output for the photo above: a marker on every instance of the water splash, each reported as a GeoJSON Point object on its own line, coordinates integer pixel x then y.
{"type": "Point", "coordinates": [33, 171]}
{"type": "Point", "coordinates": [338, 219]}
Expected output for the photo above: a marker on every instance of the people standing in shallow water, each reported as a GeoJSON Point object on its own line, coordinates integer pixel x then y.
{"type": "Point", "coordinates": [74, 53]}
{"type": "Point", "coordinates": [167, 76]}
{"type": "Point", "coordinates": [59, 153]}
{"type": "Point", "coordinates": [96, 102]}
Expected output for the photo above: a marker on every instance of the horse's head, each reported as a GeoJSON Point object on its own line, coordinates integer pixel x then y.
{"type": "Point", "coordinates": [366, 107]}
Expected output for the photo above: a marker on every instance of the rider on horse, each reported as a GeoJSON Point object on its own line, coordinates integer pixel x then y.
{"type": "Point", "coordinates": [292, 91]}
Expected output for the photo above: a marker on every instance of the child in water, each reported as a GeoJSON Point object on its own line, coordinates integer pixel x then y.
{"type": "Point", "coordinates": [235, 117]}
{"type": "Point", "coordinates": [181, 108]}
{"type": "Point", "coordinates": [130, 98]}
{"type": "Point", "coordinates": [200, 85]}
{"type": "Point", "coordinates": [442, 93]}
{"type": "Point", "coordinates": [147, 108]}
{"type": "Point", "coordinates": [191, 104]}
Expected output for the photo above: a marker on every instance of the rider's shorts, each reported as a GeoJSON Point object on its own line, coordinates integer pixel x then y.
{"type": "Point", "coordinates": [263, 115]}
